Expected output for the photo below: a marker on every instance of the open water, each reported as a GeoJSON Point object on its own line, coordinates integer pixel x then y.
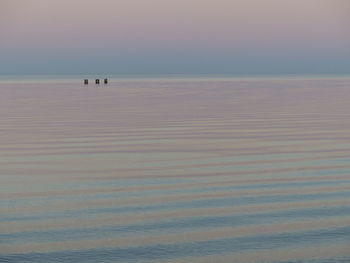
{"type": "Point", "coordinates": [175, 170]}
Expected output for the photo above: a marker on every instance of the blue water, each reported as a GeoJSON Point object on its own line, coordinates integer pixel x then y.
{"type": "Point", "coordinates": [175, 169]}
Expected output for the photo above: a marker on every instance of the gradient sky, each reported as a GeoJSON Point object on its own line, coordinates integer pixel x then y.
{"type": "Point", "coordinates": [174, 36]}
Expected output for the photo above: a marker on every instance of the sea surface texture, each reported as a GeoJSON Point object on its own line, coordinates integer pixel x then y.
{"type": "Point", "coordinates": [175, 170]}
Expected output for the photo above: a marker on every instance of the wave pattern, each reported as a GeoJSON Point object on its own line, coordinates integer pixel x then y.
{"type": "Point", "coordinates": [176, 170]}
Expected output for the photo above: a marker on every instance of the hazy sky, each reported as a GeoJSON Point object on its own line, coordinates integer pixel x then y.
{"type": "Point", "coordinates": [174, 36]}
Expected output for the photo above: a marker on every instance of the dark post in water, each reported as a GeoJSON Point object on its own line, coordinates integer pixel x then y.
{"type": "Point", "coordinates": [105, 81]}
{"type": "Point", "coordinates": [97, 81]}
{"type": "Point", "coordinates": [86, 81]}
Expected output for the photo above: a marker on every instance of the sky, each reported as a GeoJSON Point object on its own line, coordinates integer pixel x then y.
{"type": "Point", "coordinates": [174, 36]}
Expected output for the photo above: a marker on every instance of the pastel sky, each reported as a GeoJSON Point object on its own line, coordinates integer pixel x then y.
{"type": "Point", "coordinates": [174, 36]}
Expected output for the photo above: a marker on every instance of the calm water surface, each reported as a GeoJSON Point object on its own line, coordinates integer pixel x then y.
{"type": "Point", "coordinates": [175, 170]}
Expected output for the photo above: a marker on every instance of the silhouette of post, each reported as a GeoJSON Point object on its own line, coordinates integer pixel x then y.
{"type": "Point", "coordinates": [86, 81]}
{"type": "Point", "coordinates": [97, 81]}
{"type": "Point", "coordinates": [105, 81]}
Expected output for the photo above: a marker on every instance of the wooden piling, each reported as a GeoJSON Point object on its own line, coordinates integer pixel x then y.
{"type": "Point", "coordinates": [105, 81]}
{"type": "Point", "coordinates": [86, 81]}
{"type": "Point", "coordinates": [97, 81]}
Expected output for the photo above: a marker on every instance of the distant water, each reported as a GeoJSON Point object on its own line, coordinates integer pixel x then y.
{"type": "Point", "coordinates": [175, 170]}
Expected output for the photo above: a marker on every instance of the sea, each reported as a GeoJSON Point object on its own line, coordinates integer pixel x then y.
{"type": "Point", "coordinates": [175, 169]}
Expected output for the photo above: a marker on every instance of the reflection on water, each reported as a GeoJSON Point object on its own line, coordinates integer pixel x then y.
{"type": "Point", "coordinates": [175, 170]}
